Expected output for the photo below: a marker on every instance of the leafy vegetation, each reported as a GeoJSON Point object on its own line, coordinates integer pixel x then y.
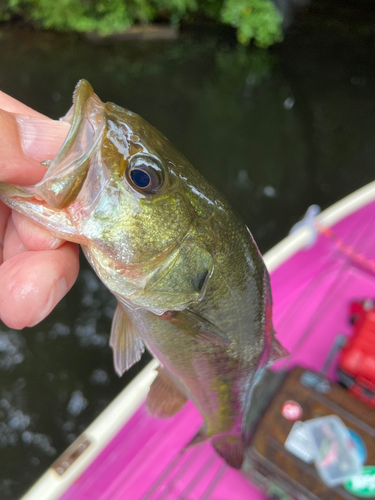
{"type": "Point", "coordinates": [256, 20]}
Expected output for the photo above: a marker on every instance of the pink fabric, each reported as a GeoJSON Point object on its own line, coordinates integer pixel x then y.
{"type": "Point", "coordinates": [312, 291]}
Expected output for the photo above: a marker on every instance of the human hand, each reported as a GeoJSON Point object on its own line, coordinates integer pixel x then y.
{"type": "Point", "coordinates": [36, 268]}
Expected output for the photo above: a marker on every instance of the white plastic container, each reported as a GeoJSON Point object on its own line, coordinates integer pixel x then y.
{"type": "Point", "coordinates": [336, 458]}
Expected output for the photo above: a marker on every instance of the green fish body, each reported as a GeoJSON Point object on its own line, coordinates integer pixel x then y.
{"type": "Point", "coordinates": [190, 282]}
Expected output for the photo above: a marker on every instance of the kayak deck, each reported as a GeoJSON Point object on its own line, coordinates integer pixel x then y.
{"type": "Point", "coordinates": [145, 461]}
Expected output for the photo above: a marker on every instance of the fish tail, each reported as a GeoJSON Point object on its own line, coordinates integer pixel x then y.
{"type": "Point", "coordinates": [199, 438]}
{"type": "Point", "coordinates": [231, 448]}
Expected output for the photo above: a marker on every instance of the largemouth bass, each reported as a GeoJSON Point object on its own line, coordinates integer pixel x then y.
{"type": "Point", "coordinates": [190, 282]}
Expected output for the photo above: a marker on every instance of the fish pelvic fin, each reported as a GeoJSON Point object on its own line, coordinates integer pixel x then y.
{"type": "Point", "coordinates": [231, 448]}
{"type": "Point", "coordinates": [164, 399]}
{"type": "Point", "coordinates": [127, 347]}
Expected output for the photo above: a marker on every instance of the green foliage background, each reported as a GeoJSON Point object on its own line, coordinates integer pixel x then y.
{"type": "Point", "coordinates": [256, 20]}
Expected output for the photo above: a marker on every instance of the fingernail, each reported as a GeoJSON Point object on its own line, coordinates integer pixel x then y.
{"type": "Point", "coordinates": [41, 138]}
{"type": "Point", "coordinates": [56, 243]}
{"type": "Point", "coordinates": [58, 291]}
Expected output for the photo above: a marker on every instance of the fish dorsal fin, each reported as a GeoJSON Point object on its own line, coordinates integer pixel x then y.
{"type": "Point", "coordinates": [127, 347]}
{"type": "Point", "coordinates": [196, 327]}
{"type": "Point", "coordinates": [164, 399]}
{"type": "Point", "coordinates": [277, 352]}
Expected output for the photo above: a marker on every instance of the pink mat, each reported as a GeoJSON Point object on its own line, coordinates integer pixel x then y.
{"type": "Point", "coordinates": [312, 290]}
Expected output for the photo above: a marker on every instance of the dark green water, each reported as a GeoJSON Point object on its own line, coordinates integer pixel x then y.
{"type": "Point", "coordinates": [274, 131]}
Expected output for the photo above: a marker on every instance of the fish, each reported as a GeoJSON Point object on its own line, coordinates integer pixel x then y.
{"type": "Point", "coordinates": [190, 283]}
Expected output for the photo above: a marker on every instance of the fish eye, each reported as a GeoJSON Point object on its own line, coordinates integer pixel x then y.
{"type": "Point", "coordinates": [145, 174]}
{"type": "Point", "coordinates": [140, 178]}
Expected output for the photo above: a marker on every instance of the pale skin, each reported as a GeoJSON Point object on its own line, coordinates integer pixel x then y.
{"type": "Point", "coordinates": [36, 268]}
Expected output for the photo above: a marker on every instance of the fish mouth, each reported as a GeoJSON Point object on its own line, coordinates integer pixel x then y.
{"type": "Point", "coordinates": [68, 170]}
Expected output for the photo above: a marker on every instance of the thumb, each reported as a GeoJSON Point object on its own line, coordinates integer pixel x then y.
{"type": "Point", "coordinates": [25, 141]}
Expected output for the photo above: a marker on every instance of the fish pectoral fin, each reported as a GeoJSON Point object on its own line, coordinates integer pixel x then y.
{"type": "Point", "coordinates": [277, 352]}
{"type": "Point", "coordinates": [180, 280]}
{"type": "Point", "coordinates": [196, 327]}
{"type": "Point", "coordinates": [127, 347]}
{"type": "Point", "coordinates": [164, 399]}
{"type": "Point", "coordinates": [230, 447]}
